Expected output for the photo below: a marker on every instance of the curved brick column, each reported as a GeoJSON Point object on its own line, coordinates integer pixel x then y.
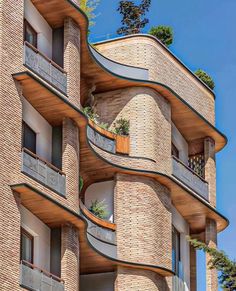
{"type": "Point", "coordinates": [128, 279]}
{"type": "Point", "coordinates": [146, 52]}
{"type": "Point", "coordinates": [150, 122]}
{"type": "Point", "coordinates": [70, 257]}
{"type": "Point", "coordinates": [70, 162]}
{"type": "Point", "coordinates": [72, 60]}
{"type": "Point", "coordinates": [143, 218]}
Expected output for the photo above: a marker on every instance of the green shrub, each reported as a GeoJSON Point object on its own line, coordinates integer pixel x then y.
{"type": "Point", "coordinates": [99, 208]}
{"type": "Point", "coordinates": [121, 127]}
{"type": "Point", "coordinates": [207, 79]}
{"type": "Point", "coordinates": [104, 125]}
{"type": "Point", "coordinates": [89, 111]}
{"type": "Point", "coordinates": [81, 183]}
{"type": "Point", "coordinates": [163, 33]}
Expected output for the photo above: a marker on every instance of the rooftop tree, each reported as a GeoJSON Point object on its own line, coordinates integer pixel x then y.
{"type": "Point", "coordinates": [207, 79]}
{"type": "Point", "coordinates": [163, 33]}
{"type": "Point", "coordinates": [133, 16]}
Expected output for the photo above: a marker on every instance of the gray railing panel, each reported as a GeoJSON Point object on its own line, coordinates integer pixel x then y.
{"type": "Point", "coordinates": [45, 69]}
{"type": "Point", "coordinates": [43, 173]}
{"type": "Point", "coordinates": [100, 140]}
{"type": "Point", "coordinates": [38, 281]}
{"type": "Point", "coordinates": [120, 69]}
{"type": "Point", "coordinates": [178, 284]}
{"type": "Point", "coordinates": [100, 233]}
{"type": "Point", "coordinates": [186, 176]}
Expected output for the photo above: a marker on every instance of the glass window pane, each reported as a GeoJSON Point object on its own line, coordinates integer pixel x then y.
{"type": "Point", "coordinates": [26, 247]}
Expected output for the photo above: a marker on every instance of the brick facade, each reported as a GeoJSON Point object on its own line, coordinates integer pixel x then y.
{"type": "Point", "coordinates": [146, 52]}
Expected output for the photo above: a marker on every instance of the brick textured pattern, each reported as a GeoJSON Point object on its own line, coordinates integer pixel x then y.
{"type": "Point", "coordinates": [70, 257]}
{"type": "Point", "coordinates": [72, 60]}
{"type": "Point", "coordinates": [146, 52]}
{"type": "Point", "coordinates": [150, 121]}
{"type": "Point", "coordinates": [210, 168]}
{"type": "Point", "coordinates": [11, 53]}
{"type": "Point", "coordinates": [211, 241]}
{"type": "Point", "coordinates": [143, 218]}
{"type": "Point", "coordinates": [70, 162]}
{"type": "Point", "coordinates": [137, 280]}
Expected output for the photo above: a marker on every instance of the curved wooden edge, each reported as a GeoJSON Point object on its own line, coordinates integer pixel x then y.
{"type": "Point", "coordinates": [95, 219]}
{"type": "Point", "coordinates": [122, 142]}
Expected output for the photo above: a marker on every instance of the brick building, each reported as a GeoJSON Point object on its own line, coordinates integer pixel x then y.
{"type": "Point", "coordinates": [158, 183]}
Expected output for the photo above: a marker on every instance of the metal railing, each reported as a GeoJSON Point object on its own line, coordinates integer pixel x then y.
{"type": "Point", "coordinates": [190, 178]}
{"type": "Point", "coordinates": [43, 171]}
{"type": "Point", "coordinates": [178, 280]}
{"type": "Point", "coordinates": [35, 278]}
{"type": "Point", "coordinates": [100, 140]}
{"type": "Point", "coordinates": [45, 67]}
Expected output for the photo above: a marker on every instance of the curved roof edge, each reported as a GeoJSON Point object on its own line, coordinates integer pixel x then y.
{"type": "Point", "coordinates": [165, 48]}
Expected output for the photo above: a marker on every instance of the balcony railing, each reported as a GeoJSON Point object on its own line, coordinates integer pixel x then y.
{"type": "Point", "coordinates": [190, 178]}
{"type": "Point", "coordinates": [34, 278]}
{"type": "Point", "coordinates": [98, 228]}
{"type": "Point", "coordinates": [43, 172]}
{"type": "Point", "coordinates": [45, 68]}
{"type": "Point", "coordinates": [107, 140]}
{"type": "Point", "coordinates": [178, 281]}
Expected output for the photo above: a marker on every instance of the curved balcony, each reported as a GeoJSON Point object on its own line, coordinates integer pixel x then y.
{"type": "Point", "coordinates": [107, 140]}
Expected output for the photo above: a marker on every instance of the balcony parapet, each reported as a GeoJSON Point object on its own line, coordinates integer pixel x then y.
{"type": "Point", "coordinates": [34, 278]}
{"type": "Point", "coordinates": [190, 178]}
{"type": "Point", "coordinates": [99, 228]}
{"type": "Point", "coordinates": [107, 140]}
{"type": "Point", "coordinates": [45, 67]}
{"type": "Point", "coordinates": [43, 172]}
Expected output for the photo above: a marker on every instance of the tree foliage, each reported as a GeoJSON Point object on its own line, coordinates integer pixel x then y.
{"type": "Point", "coordinates": [122, 127]}
{"type": "Point", "coordinates": [163, 33]}
{"type": "Point", "coordinates": [221, 262]}
{"type": "Point", "coordinates": [133, 16]}
{"type": "Point", "coordinates": [89, 6]}
{"type": "Point", "coordinates": [207, 79]}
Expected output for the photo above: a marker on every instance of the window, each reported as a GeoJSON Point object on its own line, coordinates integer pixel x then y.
{"type": "Point", "coordinates": [27, 246]}
{"type": "Point", "coordinates": [30, 35]}
{"type": "Point", "coordinates": [176, 251]}
{"type": "Point", "coordinates": [29, 138]}
{"type": "Point", "coordinates": [174, 151]}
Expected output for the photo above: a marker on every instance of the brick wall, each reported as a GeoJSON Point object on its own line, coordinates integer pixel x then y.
{"type": "Point", "coordinates": [143, 218]}
{"type": "Point", "coordinates": [137, 280]}
{"type": "Point", "coordinates": [70, 257]}
{"type": "Point", "coordinates": [72, 60]}
{"type": "Point", "coordinates": [146, 52]}
{"type": "Point", "coordinates": [150, 121]}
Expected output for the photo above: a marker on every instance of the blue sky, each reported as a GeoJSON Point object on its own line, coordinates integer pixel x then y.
{"type": "Point", "coordinates": [204, 37]}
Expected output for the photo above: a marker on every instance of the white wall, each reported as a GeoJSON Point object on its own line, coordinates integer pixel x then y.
{"type": "Point", "coordinates": [98, 282]}
{"type": "Point", "coordinates": [180, 143]}
{"type": "Point", "coordinates": [41, 233]}
{"type": "Point", "coordinates": [182, 226]}
{"type": "Point", "coordinates": [41, 127]}
{"type": "Point", "coordinates": [102, 191]}
{"type": "Point", "coordinates": [41, 26]}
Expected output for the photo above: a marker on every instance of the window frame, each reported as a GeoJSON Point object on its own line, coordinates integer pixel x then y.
{"type": "Point", "coordinates": [23, 231]}
{"type": "Point", "coordinates": [27, 24]}
{"type": "Point", "coordinates": [23, 136]}
{"type": "Point", "coordinates": [176, 237]}
{"type": "Point", "coordinates": [174, 149]}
